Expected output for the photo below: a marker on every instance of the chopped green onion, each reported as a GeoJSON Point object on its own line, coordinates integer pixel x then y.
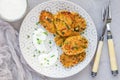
{"type": "Point", "coordinates": [45, 33]}
{"type": "Point", "coordinates": [50, 42]}
{"type": "Point", "coordinates": [63, 33]}
{"type": "Point", "coordinates": [39, 41]}
{"type": "Point", "coordinates": [52, 56]}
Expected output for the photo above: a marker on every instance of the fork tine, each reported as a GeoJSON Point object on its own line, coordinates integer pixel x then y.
{"type": "Point", "coordinates": [104, 13]}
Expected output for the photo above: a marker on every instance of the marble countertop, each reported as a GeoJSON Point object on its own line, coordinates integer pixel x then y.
{"type": "Point", "coordinates": [94, 8]}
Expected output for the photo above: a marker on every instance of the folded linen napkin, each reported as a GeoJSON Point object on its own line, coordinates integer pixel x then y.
{"type": "Point", "coordinates": [12, 64]}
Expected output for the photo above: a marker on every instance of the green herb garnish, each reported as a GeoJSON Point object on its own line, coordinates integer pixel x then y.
{"type": "Point", "coordinates": [50, 42]}
{"type": "Point", "coordinates": [63, 33]}
{"type": "Point", "coordinates": [52, 56]}
{"type": "Point", "coordinates": [45, 33]}
{"type": "Point", "coordinates": [39, 41]}
{"type": "Point", "coordinates": [75, 48]}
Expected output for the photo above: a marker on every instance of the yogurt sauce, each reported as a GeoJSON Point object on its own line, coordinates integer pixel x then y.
{"type": "Point", "coordinates": [44, 43]}
{"type": "Point", "coordinates": [12, 10]}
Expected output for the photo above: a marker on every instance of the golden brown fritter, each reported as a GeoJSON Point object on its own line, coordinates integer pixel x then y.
{"type": "Point", "coordinates": [65, 16]}
{"type": "Point", "coordinates": [47, 20]}
{"type": "Point", "coordinates": [74, 45]}
{"type": "Point", "coordinates": [70, 61]}
{"type": "Point", "coordinates": [79, 23]}
{"type": "Point", "coordinates": [63, 22]}
{"type": "Point", "coordinates": [62, 28]}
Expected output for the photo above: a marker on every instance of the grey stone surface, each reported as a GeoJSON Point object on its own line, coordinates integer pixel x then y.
{"type": "Point", "coordinates": [94, 8]}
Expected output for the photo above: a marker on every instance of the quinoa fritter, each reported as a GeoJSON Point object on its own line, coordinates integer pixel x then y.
{"type": "Point", "coordinates": [69, 61]}
{"type": "Point", "coordinates": [74, 45]}
{"type": "Point", "coordinates": [47, 20]}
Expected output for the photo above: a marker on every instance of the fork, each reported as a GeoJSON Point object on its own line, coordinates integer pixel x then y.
{"type": "Point", "coordinates": [100, 44]}
{"type": "Point", "coordinates": [113, 62]}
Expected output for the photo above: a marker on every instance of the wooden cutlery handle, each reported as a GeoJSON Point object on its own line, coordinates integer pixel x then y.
{"type": "Point", "coordinates": [113, 62]}
{"type": "Point", "coordinates": [97, 58]}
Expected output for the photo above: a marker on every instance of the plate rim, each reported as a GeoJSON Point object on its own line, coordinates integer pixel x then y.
{"type": "Point", "coordinates": [85, 13]}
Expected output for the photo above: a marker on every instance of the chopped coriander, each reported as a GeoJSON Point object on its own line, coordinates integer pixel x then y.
{"type": "Point", "coordinates": [45, 33]}
{"type": "Point", "coordinates": [48, 63]}
{"type": "Point", "coordinates": [50, 47]}
{"type": "Point", "coordinates": [39, 41]}
{"type": "Point", "coordinates": [37, 23]}
{"type": "Point", "coordinates": [52, 56]}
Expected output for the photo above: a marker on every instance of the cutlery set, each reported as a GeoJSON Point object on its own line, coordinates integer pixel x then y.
{"type": "Point", "coordinates": [113, 63]}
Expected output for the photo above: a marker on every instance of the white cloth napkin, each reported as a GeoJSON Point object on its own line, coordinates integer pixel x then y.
{"type": "Point", "coordinates": [12, 64]}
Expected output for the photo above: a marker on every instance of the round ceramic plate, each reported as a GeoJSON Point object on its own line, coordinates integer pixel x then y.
{"type": "Point", "coordinates": [31, 53]}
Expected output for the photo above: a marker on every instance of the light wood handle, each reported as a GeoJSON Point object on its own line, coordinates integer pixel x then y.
{"type": "Point", "coordinates": [112, 55]}
{"type": "Point", "coordinates": [97, 57]}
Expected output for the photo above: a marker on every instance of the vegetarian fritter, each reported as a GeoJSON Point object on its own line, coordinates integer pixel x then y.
{"type": "Point", "coordinates": [62, 28]}
{"type": "Point", "coordinates": [47, 20]}
{"type": "Point", "coordinates": [66, 17]}
{"type": "Point", "coordinates": [79, 23]}
{"type": "Point", "coordinates": [74, 45]}
{"type": "Point", "coordinates": [70, 61]}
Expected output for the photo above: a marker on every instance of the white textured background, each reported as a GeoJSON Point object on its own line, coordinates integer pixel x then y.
{"type": "Point", "coordinates": [94, 8]}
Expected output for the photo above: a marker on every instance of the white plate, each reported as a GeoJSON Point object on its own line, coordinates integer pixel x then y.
{"type": "Point", "coordinates": [29, 51]}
